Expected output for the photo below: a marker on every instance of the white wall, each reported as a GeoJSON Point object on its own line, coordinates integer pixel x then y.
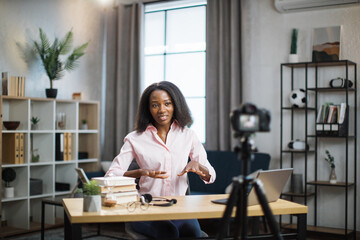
{"type": "Point", "coordinates": [20, 21]}
{"type": "Point", "coordinates": [266, 39]}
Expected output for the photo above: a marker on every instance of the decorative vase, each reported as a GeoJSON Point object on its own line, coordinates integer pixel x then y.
{"type": "Point", "coordinates": [293, 58]}
{"type": "Point", "coordinates": [84, 126]}
{"type": "Point", "coordinates": [92, 203]}
{"type": "Point", "coordinates": [332, 177]}
{"type": "Point", "coordinates": [51, 92]}
{"type": "Point", "coordinates": [9, 192]}
{"type": "Point", "coordinates": [34, 127]}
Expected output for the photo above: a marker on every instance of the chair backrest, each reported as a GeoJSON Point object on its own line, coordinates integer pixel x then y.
{"type": "Point", "coordinates": [227, 166]}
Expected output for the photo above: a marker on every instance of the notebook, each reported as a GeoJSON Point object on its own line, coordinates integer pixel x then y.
{"type": "Point", "coordinates": [273, 182]}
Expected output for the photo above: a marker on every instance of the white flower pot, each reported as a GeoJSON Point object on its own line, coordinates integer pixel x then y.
{"type": "Point", "coordinates": [9, 192]}
{"type": "Point", "coordinates": [293, 58]}
{"type": "Point", "coordinates": [92, 203]}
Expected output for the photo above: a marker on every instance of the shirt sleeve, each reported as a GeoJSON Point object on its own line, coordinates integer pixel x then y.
{"type": "Point", "coordinates": [198, 154]}
{"type": "Point", "coordinates": [121, 162]}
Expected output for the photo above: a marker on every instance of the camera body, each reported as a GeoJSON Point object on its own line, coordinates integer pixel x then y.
{"type": "Point", "coordinates": [249, 119]}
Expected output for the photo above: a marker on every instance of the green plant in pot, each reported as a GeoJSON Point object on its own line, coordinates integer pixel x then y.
{"type": "Point", "coordinates": [92, 197]}
{"type": "Point", "coordinates": [34, 123]}
{"type": "Point", "coordinates": [330, 159]}
{"type": "Point", "coordinates": [52, 55]}
{"type": "Point", "coordinates": [8, 175]}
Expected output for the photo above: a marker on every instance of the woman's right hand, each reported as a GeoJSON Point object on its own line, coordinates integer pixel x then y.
{"type": "Point", "coordinates": [153, 173]}
{"type": "Point", "coordinates": [146, 172]}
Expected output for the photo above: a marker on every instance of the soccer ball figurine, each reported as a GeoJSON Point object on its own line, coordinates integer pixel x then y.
{"type": "Point", "coordinates": [297, 98]}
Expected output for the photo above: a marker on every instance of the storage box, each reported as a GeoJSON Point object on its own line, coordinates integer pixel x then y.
{"type": "Point", "coordinates": [61, 186]}
{"type": "Point", "coordinates": [36, 186]}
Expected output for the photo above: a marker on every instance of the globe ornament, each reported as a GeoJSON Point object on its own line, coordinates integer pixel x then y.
{"type": "Point", "coordinates": [297, 98]}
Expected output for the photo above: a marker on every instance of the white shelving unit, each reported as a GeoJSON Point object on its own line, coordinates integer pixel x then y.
{"type": "Point", "coordinates": [24, 210]}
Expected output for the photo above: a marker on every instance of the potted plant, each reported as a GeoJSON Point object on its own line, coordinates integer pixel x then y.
{"type": "Point", "coordinates": [84, 125]}
{"type": "Point", "coordinates": [293, 57]}
{"type": "Point", "coordinates": [50, 55]}
{"type": "Point", "coordinates": [34, 122]}
{"type": "Point", "coordinates": [330, 159]}
{"type": "Point", "coordinates": [8, 175]}
{"type": "Point", "coordinates": [92, 197]}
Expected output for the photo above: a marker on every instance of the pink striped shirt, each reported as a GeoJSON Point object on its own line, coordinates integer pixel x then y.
{"type": "Point", "coordinates": [152, 153]}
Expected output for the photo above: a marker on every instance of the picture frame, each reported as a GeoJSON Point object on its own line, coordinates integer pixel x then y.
{"type": "Point", "coordinates": [326, 44]}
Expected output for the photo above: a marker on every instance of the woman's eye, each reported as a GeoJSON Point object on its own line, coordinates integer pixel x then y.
{"type": "Point", "coordinates": [167, 104]}
{"type": "Point", "coordinates": [154, 105]}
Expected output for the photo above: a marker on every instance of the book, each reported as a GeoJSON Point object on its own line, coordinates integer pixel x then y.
{"type": "Point", "coordinates": [5, 83]}
{"type": "Point", "coordinates": [342, 113]}
{"type": "Point", "coordinates": [59, 146]}
{"type": "Point", "coordinates": [123, 197]}
{"type": "Point", "coordinates": [68, 145]}
{"type": "Point", "coordinates": [114, 189]}
{"type": "Point", "coordinates": [65, 144]}
{"type": "Point", "coordinates": [10, 146]}
{"type": "Point", "coordinates": [319, 116]}
{"type": "Point", "coordinates": [114, 181]}
{"type": "Point", "coordinates": [21, 148]}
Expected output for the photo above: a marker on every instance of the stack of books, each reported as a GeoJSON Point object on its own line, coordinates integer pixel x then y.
{"type": "Point", "coordinates": [119, 188]}
{"type": "Point", "coordinates": [13, 148]}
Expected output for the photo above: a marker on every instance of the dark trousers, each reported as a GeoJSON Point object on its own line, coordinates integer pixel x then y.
{"type": "Point", "coordinates": [168, 229]}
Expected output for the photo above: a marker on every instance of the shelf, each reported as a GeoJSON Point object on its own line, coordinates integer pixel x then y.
{"type": "Point", "coordinates": [24, 209]}
{"type": "Point", "coordinates": [319, 64]}
{"type": "Point", "coordinates": [327, 183]}
{"type": "Point", "coordinates": [329, 136]}
{"type": "Point", "coordinates": [315, 229]}
{"type": "Point", "coordinates": [291, 194]}
{"type": "Point", "coordinates": [298, 151]}
{"type": "Point", "coordinates": [299, 109]}
{"type": "Point", "coordinates": [329, 89]}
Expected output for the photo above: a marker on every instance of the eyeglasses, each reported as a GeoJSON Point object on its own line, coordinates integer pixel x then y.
{"type": "Point", "coordinates": [131, 206]}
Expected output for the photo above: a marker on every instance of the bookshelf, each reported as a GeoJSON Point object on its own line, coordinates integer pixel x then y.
{"type": "Point", "coordinates": [337, 137]}
{"type": "Point", "coordinates": [23, 211]}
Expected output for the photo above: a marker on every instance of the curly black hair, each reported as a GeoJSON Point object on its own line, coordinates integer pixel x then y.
{"type": "Point", "coordinates": [181, 110]}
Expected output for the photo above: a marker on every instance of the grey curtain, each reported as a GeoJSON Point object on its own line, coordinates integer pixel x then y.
{"type": "Point", "coordinates": [123, 76]}
{"type": "Point", "coordinates": [223, 71]}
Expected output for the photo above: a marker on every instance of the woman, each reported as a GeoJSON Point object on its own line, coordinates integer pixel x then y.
{"type": "Point", "coordinates": [161, 145]}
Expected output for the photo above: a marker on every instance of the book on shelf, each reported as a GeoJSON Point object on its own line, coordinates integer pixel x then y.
{"type": "Point", "coordinates": [21, 148]}
{"type": "Point", "coordinates": [119, 188]}
{"type": "Point", "coordinates": [13, 85]}
{"type": "Point", "coordinates": [114, 181]}
{"type": "Point", "coordinates": [63, 147]}
{"type": "Point", "coordinates": [121, 197]}
{"type": "Point", "coordinates": [11, 148]}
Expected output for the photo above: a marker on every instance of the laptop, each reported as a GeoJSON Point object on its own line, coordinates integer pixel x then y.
{"type": "Point", "coordinates": [273, 182]}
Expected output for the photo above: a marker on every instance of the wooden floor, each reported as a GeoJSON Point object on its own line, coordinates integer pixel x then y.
{"type": "Point", "coordinates": [209, 226]}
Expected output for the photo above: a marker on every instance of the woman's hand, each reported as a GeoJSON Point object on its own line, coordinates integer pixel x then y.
{"type": "Point", "coordinates": [153, 173]}
{"type": "Point", "coordinates": [197, 168]}
{"type": "Point", "coordinates": [146, 172]}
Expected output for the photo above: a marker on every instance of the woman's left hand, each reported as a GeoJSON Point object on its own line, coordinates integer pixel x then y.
{"type": "Point", "coordinates": [197, 168]}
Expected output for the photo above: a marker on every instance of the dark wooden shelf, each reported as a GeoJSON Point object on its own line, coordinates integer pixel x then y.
{"type": "Point", "coordinates": [327, 183]}
{"type": "Point", "coordinates": [297, 151]}
{"type": "Point", "coordinates": [317, 229]}
{"type": "Point", "coordinates": [291, 194]}
{"type": "Point", "coordinates": [329, 89]}
{"type": "Point", "coordinates": [298, 109]}
{"type": "Point", "coordinates": [319, 64]}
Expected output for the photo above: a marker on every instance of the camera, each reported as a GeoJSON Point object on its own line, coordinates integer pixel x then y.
{"type": "Point", "coordinates": [248, 119]}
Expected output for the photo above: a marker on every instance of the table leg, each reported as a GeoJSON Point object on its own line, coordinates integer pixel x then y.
{"type": "Point", "coordinates": [301, 226]}
{"type": "Point", "coordinates": [71, 231]}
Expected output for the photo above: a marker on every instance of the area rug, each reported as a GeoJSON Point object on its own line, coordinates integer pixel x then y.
{"type": "Point", "coordinates": [108, 231]}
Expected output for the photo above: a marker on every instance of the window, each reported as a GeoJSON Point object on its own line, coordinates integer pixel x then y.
{"type": "Point", "coordinates": [175, 51]}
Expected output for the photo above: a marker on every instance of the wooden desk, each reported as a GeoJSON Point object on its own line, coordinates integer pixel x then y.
{"type": "Point", "coordinates": [187, 207]}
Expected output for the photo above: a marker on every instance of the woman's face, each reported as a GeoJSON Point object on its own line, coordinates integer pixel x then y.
{"type": "Point", "coordinates": [161, 108]}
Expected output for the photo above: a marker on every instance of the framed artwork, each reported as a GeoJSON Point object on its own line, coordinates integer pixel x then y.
{"type": "Point", "coordinates": [326, 44]}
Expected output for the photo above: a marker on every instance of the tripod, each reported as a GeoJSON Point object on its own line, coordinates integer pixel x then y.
{"type": "Point", "coordinates": [238, 197]}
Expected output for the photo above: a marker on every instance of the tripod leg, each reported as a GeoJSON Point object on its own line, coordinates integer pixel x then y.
{"type": "Point", "coordinates": [266, 209]}
{"type": "Point", "coordinates": [241, 220]}
{"type": "Point", "coordinates": [225, 221]}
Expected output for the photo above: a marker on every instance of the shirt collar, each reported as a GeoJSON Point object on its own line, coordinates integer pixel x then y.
{"type": "Point", "coordinates": [174, 125]}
